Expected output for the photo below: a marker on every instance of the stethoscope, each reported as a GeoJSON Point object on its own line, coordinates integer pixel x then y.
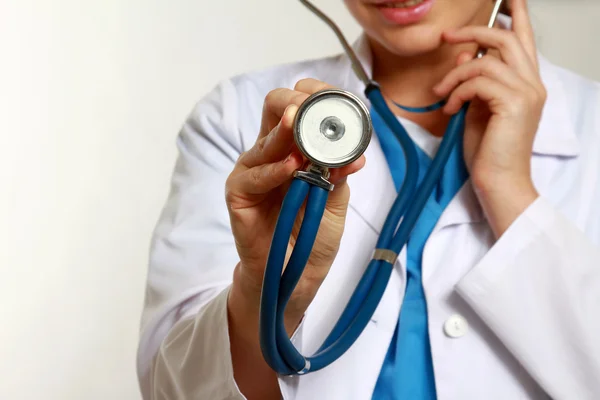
{"type": "Point", "coordinates": [332, 129]}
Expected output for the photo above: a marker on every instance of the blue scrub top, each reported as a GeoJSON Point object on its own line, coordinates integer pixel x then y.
{"type": "Point", "coordinates": [407, 371]}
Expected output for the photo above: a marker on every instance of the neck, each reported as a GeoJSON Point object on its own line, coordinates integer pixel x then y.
{"type": "Point", "coordinates": [409, 80]}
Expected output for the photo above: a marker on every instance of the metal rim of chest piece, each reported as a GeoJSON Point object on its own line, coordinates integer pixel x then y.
{"type": "Point", "coordinates": [332, 128]}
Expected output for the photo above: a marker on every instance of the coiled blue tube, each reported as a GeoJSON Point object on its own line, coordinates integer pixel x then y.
{"type": "Point", "coordinates": [269, 297]}
{"type": "Point", "coordinates": [315, 206]}
{"type": "Point", "coordinates": [278, 351]}
{"type": "Point", "coordinates": [433, 107]}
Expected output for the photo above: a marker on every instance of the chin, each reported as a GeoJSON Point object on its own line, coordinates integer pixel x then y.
{"type": "Point", "coordinates": [415, 31]}
{"type": "Point", "coordinates": [408, 41]}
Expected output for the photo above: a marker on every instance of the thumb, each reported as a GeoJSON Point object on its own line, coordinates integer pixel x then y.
{"type": "Point", "coordinates": [337, 202]}
{"type": "Point", "coordinates": [246, 187]}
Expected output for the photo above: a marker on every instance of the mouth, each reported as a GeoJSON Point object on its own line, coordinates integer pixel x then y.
{"type": "Point", "coordinates": [401, 4]}
{"type": "Point", "coordinates": [403, 12]}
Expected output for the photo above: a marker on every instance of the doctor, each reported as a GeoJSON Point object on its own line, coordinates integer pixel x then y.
{"type": "Point", "coordinates": [497, 295]}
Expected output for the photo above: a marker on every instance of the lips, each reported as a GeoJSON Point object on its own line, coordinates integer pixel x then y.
{"type": "Point", "coordinates": [403, 12]}
{"type": "Point", "coordinates": [400, 4]}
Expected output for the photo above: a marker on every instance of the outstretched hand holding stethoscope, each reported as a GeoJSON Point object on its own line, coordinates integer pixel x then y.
{"type": "Point", "coordinates": [507, 98]}
{"type": "Point", "coordinates": [254, 191]}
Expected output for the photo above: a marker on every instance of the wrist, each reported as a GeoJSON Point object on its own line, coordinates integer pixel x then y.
{"type": "Point", "coordinates": [504, 199]}
{"type": "Point", "coordinates": [243, 306]}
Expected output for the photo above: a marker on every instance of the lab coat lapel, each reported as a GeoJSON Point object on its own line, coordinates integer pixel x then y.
{"type": "Point", "coordinates": [372, 189]}
{"type": "Point", "coordinates": [354, 374]}
{"type": "Point", "coordinates": [556, 135]}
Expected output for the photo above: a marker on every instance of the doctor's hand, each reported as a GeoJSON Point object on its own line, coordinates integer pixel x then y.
{"type": "Point", "coordinates": [254, 193]}
{"type": "Point", "coordinates": [507, 97]}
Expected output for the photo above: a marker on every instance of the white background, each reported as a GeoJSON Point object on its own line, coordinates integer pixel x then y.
{"type": "Point", "coordinates": [92, 94]}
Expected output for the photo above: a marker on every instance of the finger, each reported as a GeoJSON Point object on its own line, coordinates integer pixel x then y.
{"type": "Point", "coordinates": [339, 174]}
{"type": "Point", "coordinates": [488, 90]}
{"type": "Point", "coordinates": [486, 66]}
{"type": "Point", "coordinates": [274, 107]}
{"type": "Point", "coordinates": [266, 177]}
{"type": "Point", "coordinates": [311, 86]}
{"type": "Point", "coordinates": [523, 29]}
{"type": "Point", "coordinates": [464, 57]}
{"type": "Point", "coordinates": [337, 202]}
{"type": "Point", "coordinates": [508, 44]}
{"type": "Point", "coordinates": [276, 145]}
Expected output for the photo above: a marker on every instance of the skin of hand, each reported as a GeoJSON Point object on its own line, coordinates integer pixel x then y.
{"type": "Point", "coordinates": [254, 193]}
{"type": "Point", "coordinates": [508, 98]}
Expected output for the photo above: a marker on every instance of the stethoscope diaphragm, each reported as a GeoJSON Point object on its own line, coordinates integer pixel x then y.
{"type": "Point", "coordinates": [332, 128]}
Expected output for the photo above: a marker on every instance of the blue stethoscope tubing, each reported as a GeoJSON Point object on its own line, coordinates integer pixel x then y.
{"type": "Point", "coordinates": [278, 285]}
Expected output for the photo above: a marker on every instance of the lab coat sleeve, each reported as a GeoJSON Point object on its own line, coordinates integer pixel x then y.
{"type": "Point", "coordinates": [184, 345]}
{"type": "Point", "coordinates": [538, 289]}
{"type": "Point", "coordinates": [194, 360]}
{"type": "Point", "coordinates": [192, 257]}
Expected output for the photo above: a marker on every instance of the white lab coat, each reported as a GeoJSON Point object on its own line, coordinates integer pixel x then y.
{"type": "Point", "coordinates": [531, 299]}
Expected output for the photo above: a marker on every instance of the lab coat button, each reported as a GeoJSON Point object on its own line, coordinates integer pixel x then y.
{"type": "Point", "coordinates": [456, 326]}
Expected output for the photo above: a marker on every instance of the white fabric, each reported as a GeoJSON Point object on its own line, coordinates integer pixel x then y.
{"type": "Point", "coordinates": [531, 299]}
{"type": "Point", "coordinates": [422, 137]}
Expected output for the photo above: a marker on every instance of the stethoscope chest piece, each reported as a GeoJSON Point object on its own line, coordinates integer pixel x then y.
{"type": "Point", "coordinates": [332, 128]}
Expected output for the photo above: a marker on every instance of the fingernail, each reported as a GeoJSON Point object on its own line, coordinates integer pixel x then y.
{"type": "Point", "coordinates": [289, 109]}
{"type": "Point", "coordinates": [291, 157]}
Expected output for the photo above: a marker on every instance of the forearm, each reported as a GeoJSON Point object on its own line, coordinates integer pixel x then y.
{"type": "Point", "coordinates": [253, 376]}
{"type": "Point", "coordinates": [538, 290]}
